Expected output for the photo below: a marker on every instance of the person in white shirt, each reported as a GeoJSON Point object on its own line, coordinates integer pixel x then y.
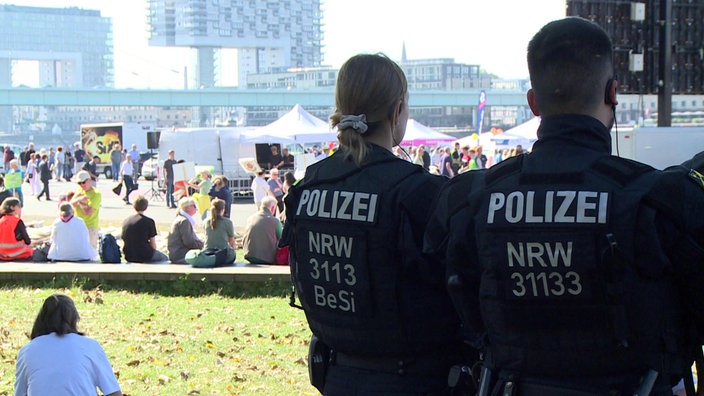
{"type": "Point", "coordinates": [260, 188]}
{"type": "Point", "coordinates": [126, 169]}
{"type": "Point", "coordinates": [59, 163]}
{"type": "Point", "coordinates": [135, 162]}
{"type": "Point", "coordinates": [69, 237]}
{"type": "Point", "coordinates": [59, 360]}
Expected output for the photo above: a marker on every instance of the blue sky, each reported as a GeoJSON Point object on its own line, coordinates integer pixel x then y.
{"type": "Point", "coordinates": [492, 33]}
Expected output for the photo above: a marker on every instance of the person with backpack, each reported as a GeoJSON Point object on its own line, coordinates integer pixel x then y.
{"type": "Point", "coordinates": [86, 201]}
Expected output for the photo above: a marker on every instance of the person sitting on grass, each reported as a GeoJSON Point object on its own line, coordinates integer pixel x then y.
{"type": "Point", "coordinates": [69, 237]}
{"type": "Point", "coordinates": [262, 234]}
{"type": "Point", "coordinates": [60, 360]}
{"type": "Point", "coordinates": [15, 243]}
{"type": "Point", "coordinates": [139, 236]}
{"type": "Point", "coordinates": [182, 236]}
{"type": "Point", "coordinates": [219, 230]}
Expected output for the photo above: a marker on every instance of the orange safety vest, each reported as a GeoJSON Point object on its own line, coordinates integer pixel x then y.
{"type": "Point", "coordinates": [10, 247]}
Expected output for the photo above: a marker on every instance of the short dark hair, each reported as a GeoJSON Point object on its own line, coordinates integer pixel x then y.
{"type": "Point", "coordinates": [140, 204]}
{"type": "Point", "coordinates": [8, 205]}
{"type": "Point", "coordinates": [57, 315]}
{"type": "Point", "coordinates": [570, 61]}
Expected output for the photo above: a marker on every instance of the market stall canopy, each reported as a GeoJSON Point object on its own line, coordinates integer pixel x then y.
{"type": "Point", "coordinates": [417, 134]}
{"type": "Point", "coordinates": [508, 140]}
{"type": "Point", "coordinates": [528, 130]}
{"type": "Point", "coordinates": [297, 125]}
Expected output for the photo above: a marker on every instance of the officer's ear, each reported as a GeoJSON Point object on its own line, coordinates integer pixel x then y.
{"type": "Point", "coordinates": [610, 93]}
{"type": "Point", "coordinates": [399, 108]}
{"type": "Point", "coordinates": [531, 102]}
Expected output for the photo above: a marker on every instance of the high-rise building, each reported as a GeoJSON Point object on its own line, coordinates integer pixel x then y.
{"type": "Point", "coordinates": [269, 35]}
{"type": "Point", "coordinates": [73, 47]}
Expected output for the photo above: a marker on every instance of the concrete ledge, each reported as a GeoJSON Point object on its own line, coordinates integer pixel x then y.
{"type": "Point", "coordinates": [239, 272]}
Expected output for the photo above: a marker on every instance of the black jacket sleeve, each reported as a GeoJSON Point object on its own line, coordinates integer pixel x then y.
{"type": "Point", "coordinates": [21, 233]}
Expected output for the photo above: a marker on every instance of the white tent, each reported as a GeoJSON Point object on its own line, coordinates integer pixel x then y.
{"type": "Point", "coordinates": [527, 130]}
{"type": "Point", "coordinates": [508, 140]}
{"type": "Point", "coordinates": [417, 134]}
{"type": "Point", "coordinates": [524, 134]}
{"type": "Point", "coordinates": [296, 125]}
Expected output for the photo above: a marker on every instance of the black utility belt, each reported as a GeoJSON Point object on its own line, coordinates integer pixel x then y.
{"type": "Point", "coordinates": [400, 366]}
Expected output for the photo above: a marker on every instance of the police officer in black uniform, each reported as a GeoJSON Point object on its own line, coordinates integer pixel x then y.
{"type": "Point", "coordinates": [574, 271]}
{"type": "Point", "coordinates": [379, 311]}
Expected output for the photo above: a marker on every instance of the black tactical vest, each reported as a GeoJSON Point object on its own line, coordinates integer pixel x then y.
{"type": "Point", "coordinates": [360, 292]}
{"type": "Point", "coordinates": [573, 280]}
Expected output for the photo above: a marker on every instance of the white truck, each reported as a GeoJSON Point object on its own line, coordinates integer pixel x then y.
{"type": "Point", "coordinates": [101, 139]}
{"type": "Point", "coordinates": [217, 147]}
{"type": "Point", "coordinates": [658, 147]}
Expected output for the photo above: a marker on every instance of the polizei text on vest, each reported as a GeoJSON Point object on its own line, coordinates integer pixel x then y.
{"type": "Point", "coordinates": [588, 207]}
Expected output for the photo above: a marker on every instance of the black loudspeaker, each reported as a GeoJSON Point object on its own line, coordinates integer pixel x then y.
{"type": "Point", "coordinates": [153, 140]}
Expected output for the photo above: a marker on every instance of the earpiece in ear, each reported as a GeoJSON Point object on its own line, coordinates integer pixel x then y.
{"type": "Point", "coordinates": [607, 93]}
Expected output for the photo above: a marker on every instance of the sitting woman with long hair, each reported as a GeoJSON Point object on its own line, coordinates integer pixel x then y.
{"type": "Point", "coordinates": [15, 243]}
{"type": "Point", "coordinates": [219, 230]}
{"type": "Point", "coordinates": [60, 360]}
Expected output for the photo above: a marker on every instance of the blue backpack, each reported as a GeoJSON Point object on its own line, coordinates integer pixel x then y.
{"type": "Point", "coordinates": [109, 249]}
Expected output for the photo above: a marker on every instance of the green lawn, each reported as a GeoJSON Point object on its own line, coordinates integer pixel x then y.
{"type": "Point", "coordinates": [176, 338]}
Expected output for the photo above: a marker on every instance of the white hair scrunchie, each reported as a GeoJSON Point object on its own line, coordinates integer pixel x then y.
{"type": "Point", "coordinates": [356, 122]}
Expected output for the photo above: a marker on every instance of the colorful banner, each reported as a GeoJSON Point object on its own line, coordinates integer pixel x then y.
{"type": "Point", "coordinates": [480, 111]}
{"type": "Point", "coordinates": [100, 141]}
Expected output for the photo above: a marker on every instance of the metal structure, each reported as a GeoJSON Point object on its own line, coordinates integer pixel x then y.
{"type": "Point", "coordinates": [658, 45]}
{"type": "Point", "coordinates": [231, 97]}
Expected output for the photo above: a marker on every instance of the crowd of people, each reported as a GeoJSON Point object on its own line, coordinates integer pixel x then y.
{"type": "Point", "coordinates": [450, 162]}
{"type": "Point", "coordinates": [75, 234]}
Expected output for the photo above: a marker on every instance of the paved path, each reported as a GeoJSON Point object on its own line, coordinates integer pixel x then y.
{"type": "Point", "coordinates": [240, 272]}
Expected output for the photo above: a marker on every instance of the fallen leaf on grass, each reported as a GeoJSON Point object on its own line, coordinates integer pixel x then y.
{"type": "Point", "coordinates": [133, 363]}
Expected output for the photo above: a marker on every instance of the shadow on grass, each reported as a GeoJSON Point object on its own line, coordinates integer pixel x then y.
{"type": "Point", "coordinates": [180, 288]}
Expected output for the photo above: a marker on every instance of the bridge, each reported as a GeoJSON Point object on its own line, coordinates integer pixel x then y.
{"type": "Point", "coordinates": [231, 97]}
